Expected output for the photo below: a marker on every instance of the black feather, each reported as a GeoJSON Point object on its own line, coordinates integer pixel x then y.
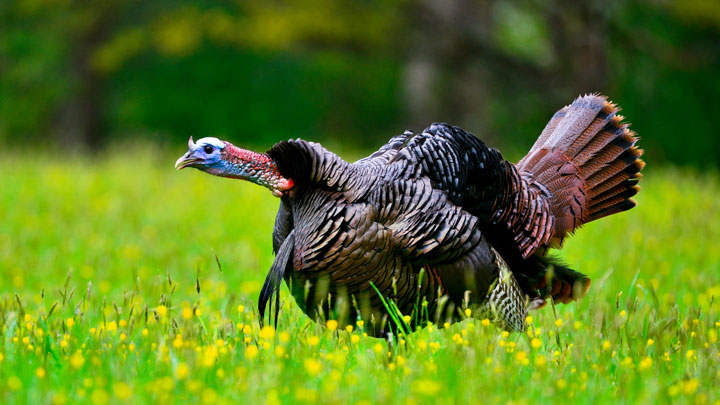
{"type": "Point", "coordinates": [274, 278]}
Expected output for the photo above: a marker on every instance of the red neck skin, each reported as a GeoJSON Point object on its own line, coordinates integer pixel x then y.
{"type": "Point", "coordinates": [259, 168]}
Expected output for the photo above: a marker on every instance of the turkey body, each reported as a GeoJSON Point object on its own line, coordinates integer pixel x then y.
{"type": "Point", "coordinates": [430, 220]}
{"type": "Point", "coordinates": [382, 223]}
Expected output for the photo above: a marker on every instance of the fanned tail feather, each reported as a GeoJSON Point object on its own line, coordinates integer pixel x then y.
{"type": "Point", "coordinates": [587, 159]}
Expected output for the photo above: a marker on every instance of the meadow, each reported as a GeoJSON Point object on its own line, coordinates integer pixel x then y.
{"type": "Point", "coordinates": [110, 292]}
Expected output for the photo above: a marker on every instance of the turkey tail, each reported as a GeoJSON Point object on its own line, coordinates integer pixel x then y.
{"type": "Point", "coordinates": [586, 162]}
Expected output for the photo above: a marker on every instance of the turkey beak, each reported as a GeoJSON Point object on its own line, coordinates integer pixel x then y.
{"type": "Point", "coordinates": [186, 160]}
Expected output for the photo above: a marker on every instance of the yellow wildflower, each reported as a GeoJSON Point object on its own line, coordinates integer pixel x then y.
{"type": "Point", "coordinates": [485, 322]}
{"type": "Point", "coordinates": [468, 312]}
{"type": "Point", "coordinates": [536, 343]}
{"type": "Point", "coordinates": [426, 387]}
{"type": "Point", "coordinates": [251, 352]}
{"type": "Point", "coordinates": [690, 386]}
{"type": "Point", "coordinates": [313, 340]}
{"type": "Point", "coordinates": [312, 366]}
{"type": "Point", "coordinates": [627, 362]}
{"type": "Point", "coordinates": [181, 371]}
{"type": "Point", "coordinates": [354, 339]}
{"type": "Point", "coordinates": [521, 357]}
{"type": "Point", "coordinates": [161, 310]}
{"type": "Point", "coordinates": [77, 360]}
{"type": "Point", "coordinates": [14, 383]}
{"type": "Point", "coordinates": [332, 324]}
{"type": "Point", "coordinates": [650, 342]}
{"type": "Point", "coordinates": [267, 332]}
{"type": "Point", "coordinates": [645, 364]}
{"type": "Point", "coordinates": [40, 372]}
{"type": "Point", "coordinates": [210, 356]}
{"type": "Point", "coordinates": [558, 322]}
{"type": "Point", "coordinates": [70, 322]}
{"type": "Point", "coordinates": [122, 391]}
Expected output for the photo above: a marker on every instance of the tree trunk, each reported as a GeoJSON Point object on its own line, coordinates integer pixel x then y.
{"type": "Point", "coordinates": [80, 118]}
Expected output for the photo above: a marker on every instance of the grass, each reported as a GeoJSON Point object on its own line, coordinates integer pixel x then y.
{"type": "Point", "coordinates": [110, 292]}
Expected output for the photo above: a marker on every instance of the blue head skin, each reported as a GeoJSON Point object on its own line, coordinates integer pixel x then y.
{"type": "Point", "coordinates": [205, 155]}
{"type": "Point", "coordinates": [221, 158]}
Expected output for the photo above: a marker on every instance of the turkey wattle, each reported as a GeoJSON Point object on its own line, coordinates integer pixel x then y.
{"type": "Point", "coordinates": [435, 221]}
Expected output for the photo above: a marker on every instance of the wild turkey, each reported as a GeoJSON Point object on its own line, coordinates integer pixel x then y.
{"type": "Point", "coordinates": [435, 221]}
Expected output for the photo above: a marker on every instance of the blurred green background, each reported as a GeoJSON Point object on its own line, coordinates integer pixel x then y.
{"type": "Point", "coordinates": [353, 73]}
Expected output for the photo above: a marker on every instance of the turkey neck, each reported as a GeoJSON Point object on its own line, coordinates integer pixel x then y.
{"type": "Point", "coordinates": [258, 168]}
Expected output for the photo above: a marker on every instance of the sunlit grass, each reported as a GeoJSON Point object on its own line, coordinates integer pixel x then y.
{"type": "Point", "coordinates": [110, 292]}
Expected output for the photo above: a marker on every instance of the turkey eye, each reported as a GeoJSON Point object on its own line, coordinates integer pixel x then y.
{"type": "Point", "coordinates": [208, 149]}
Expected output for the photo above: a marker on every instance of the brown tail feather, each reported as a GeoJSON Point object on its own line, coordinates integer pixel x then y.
{"type": "Point", "coordinates": [551, 278]}
{"type": "Point", "coordinates": [587, 159]}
